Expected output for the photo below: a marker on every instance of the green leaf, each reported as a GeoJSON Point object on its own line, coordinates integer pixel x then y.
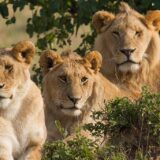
{"type": "Point", "coordinates": [11, 21]}
{"type": "Point", "coordinates": [4, 10]}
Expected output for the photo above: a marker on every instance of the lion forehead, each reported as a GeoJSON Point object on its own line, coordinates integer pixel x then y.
{"type": "Point", "coordinates": [123, 22]}
{"type": "Point", "coordinates": [71, 68]}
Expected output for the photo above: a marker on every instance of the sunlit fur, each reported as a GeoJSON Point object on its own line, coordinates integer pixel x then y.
{"type": "Point", "coordinates": [22, 127]}
{"type": "Point", "coordinates": [129, 29]}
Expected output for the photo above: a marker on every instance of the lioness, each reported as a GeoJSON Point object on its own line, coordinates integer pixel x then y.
{"type": "Point", "coordinates": [130, 46]}
{"type": "Point", "coordinates": [21, 106]}
{"type": "Point", "coordinates": [72, 88]}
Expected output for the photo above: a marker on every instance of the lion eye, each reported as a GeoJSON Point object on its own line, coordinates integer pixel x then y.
{"type": "Point", "coordinates": [84, 80]}
{"type": "Point", "coordinates": [116, 33]}
{"type": "Point", "coordinates": [9, 67]}
{"type": "Point", "coordinates": [63, 79]}
{"type": "Point", "coordinates": [138, 33]}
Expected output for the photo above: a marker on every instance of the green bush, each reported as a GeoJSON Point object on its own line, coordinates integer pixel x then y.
{"type": "Point", "coordinates": [131, 130]}
{"type": "Point", "coordinates": [134, 126]}
{"type": "Point", "coordinates": [80, 148]}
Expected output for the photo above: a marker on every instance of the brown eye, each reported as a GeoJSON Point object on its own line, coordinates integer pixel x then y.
{"type": "Point", "coordinates": [138, 33]}
{"type": "Point", "coordinates": [63, 79]}
{"type": "Point", "coordinates": [9, 67]}
{"type": "Point", "coordinates": [116, 33]}
{"type": "Point", "coordinates": [84, 80]}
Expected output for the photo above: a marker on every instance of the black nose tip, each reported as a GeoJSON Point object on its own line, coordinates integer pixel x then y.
{"type": "Point", "coordinates": [2, 85]}
{"type": "Point", "coordinates": [74, 99]}
{"type": "Point", "coordinates": [127, 52]}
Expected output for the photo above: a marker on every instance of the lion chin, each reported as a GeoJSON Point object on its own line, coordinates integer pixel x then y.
{"type": "Point", "coordinates": [72, 112]}
{"type": "Point", "coordinates": [4, 103]}
{"type": "Point", "coordinates": [129, 67]}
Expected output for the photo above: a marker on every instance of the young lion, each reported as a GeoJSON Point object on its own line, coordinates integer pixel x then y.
{"type": "Point", "coordinates": [130, 46]}
{"type": "Point", "coordinates": [22, 124]}
{"type": "Point", "coordinates": [72, 88]}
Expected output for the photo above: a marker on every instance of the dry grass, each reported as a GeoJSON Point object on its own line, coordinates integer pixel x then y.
{"type": "Point", "coordinates": [11, 34]}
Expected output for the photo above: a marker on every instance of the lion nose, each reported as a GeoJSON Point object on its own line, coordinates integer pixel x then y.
{"type": "Point", "coordinates": [2, 85]}
{"type": "Point", "coordinates": [127, 52]}
{"type": "Point", "coordinates": [74, 99]}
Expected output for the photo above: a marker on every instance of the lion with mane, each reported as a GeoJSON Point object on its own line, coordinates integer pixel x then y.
{"type": "Point", "coordinates": [130, 45]}
{"type": "Point", "coordinates": [73, 87]}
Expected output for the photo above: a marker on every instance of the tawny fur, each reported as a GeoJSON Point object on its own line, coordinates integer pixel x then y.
{"type": "Point", "coordinates": [129, 30]}
{"type": "Point", "coordinates": [21, 106]}
{"type": "Point", "coordinates": [79, 78]}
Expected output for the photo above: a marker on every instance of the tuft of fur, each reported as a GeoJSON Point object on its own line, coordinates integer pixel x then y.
{"type": "Point", "coordinates": [124, 7]}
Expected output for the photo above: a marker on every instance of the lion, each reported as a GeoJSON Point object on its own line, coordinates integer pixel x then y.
{"type": "Point", "coordinates": [22, 122]}
{"type": "Point", "coordinates": [130, 46]}
{"type": "Point", "coordinates": [73, 87]}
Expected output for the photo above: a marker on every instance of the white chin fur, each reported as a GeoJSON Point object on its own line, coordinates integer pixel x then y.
{"type": "Point", "coordinates": [4, 103]}
{"type": "Point", "coordinates": [72, 112]}
{"type": "Point", "coordinates": [129, 68]}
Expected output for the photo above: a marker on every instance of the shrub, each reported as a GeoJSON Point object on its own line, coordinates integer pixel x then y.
{"type": "Point", "coordinates": [131, 130]}
{"type": "Point", "coordinates": [80, 148]}
{"type": "Point", "coordinates": [134, 126]}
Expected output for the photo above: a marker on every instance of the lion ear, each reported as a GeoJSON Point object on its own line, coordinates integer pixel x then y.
{"type": "Point", "coordinates": [101, 20]}
{"type": "Point", "coordinates": [94, 58]}
{"type": "Point", "coordinates": [49, 59]}
{"type": "Point", "coordinates": [153, 18]}
{"type": "Point", "coordinates": [24, 51]}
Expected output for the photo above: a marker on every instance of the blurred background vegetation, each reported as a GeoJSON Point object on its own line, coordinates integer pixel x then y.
{"type": "Point", "coordinates": [57, 24]}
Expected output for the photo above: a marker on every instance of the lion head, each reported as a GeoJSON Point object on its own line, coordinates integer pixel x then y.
{"type": "Point", "coordinates": [127, 40]}
{"type": "Point", "coordinates": [14, 72]}
{"type": "Point", "coordinates": [69, 81]}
